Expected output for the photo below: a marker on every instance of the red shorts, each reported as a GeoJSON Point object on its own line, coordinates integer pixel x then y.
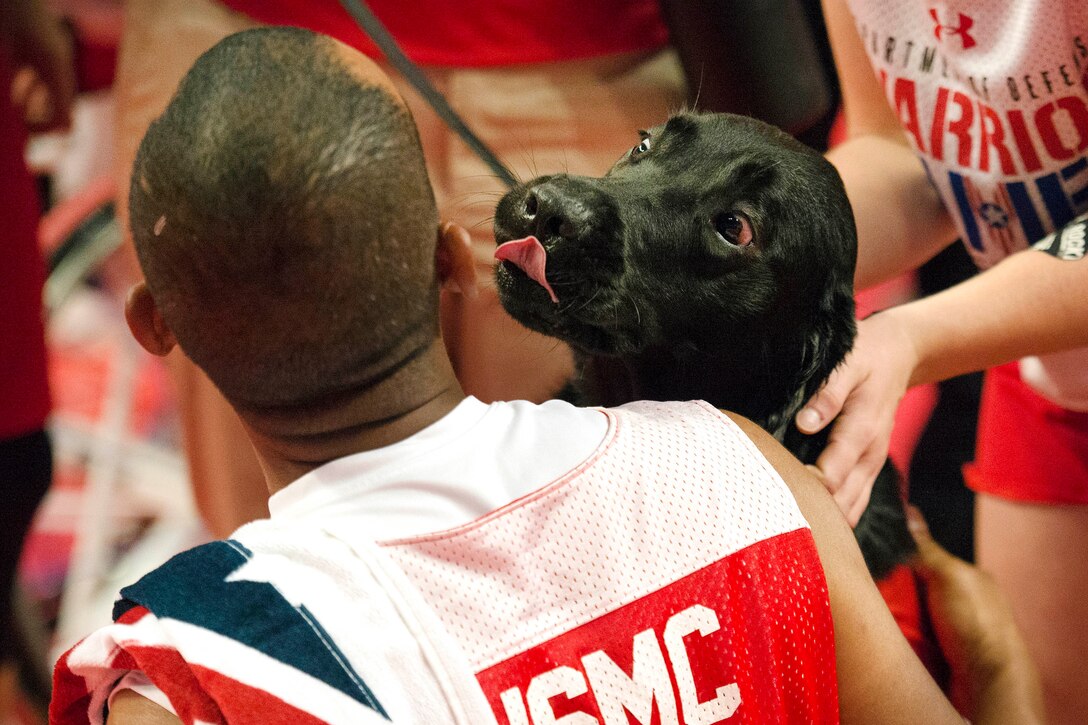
{"type": "Point", "coordinates": [1029, 449]}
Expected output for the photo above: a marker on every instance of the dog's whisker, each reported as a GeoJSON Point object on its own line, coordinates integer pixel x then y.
{"type": "Point", "coordinates": [473, 196]}
{"type": "Point", "coordinates": [461, 201]}
{"type": "Point", "coordinates": [587, 302]}
{"type": "Point", "coordinates": [496, 177]}
{"type": "Point", "coordinates": [555, 346]}
{"type": "Point", "coordinates": [466, 177]}
{"type": "Point", "coordinates": [501, 184]}
{"type": "Point", "coordinates": [463, 205]}
{"type": "Point", "coordinates": [483, 222]}
{"type": "Point", "coordinates": [569, 307]}
{"type": "Point", "coordinates": [478, 192]}
{"type": "Point", "coordinates": [531, 163]}
{"type": "Point", "coordinates": [529, 160]}
{"type": "Point", "coordinates": [563, 279]}
{"type": "Point", "coordinates": [698, 90]}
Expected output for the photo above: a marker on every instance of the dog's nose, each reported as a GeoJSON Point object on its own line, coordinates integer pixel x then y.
{"type": "Point", "coordinates": [553, 212]}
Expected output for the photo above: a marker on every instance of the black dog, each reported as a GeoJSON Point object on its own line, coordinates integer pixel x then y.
{"type": "Point", "coordinates": [714, 261]}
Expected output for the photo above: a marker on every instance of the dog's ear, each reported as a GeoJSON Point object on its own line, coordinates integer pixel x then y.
{"type": "Point", "coordinates": [835, 319]}
{"type": "Point", "coordinates": [454, 261]}
{"type": "Point", "coordinates": [831, 337]}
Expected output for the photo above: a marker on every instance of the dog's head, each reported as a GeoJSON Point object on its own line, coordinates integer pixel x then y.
{"type": "Point", "coordinates": [715, 236]}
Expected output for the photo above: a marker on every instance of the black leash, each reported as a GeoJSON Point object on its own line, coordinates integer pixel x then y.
{"type": "Point", "coordinates": [373, 27]}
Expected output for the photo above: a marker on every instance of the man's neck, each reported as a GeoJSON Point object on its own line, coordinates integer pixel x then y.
{"type": "Point", "coordinates": [290, 444]}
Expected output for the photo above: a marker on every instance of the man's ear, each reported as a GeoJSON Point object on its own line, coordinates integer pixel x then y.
{"type": "Point", "coordinates": [454, 261]}
{"type": "Point", "coordinates": [146, 323]}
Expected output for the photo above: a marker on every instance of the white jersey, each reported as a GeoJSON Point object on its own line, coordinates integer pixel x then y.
{"type": "Point", "coordinates": [647, 558]}
{"type": "Point", "coordinates": [992, 97]}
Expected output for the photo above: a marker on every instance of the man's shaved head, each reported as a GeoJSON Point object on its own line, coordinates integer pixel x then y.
{"type": "Point", "coordinates": [284, 221]}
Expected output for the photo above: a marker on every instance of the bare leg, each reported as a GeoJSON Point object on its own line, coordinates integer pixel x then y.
{"type": "Point", "coordinates": [1039, 556]}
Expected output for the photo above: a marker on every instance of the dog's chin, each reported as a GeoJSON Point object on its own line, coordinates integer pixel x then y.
{"type": "Point", "coordinates": [523, 299]}
{"type": "Point", "coordinates": [529, 304]}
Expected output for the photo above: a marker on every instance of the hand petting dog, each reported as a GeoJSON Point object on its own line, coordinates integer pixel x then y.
{"type": "Point", "coordinates": [864, 393]}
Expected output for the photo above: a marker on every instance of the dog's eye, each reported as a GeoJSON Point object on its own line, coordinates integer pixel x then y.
{"type": "Point", "coordinates": [641, 148]}
{"type": "Point", "coordinates": [733, 228]}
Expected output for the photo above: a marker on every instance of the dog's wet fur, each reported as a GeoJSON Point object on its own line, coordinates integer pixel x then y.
{"type": "Point", "coordinates": [663, 296]}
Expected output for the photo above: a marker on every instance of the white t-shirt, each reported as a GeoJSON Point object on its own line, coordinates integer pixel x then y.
{"type": "Point", "coordinates": [411, 487]}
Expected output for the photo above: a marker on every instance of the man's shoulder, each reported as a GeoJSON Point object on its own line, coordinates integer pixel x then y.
{"type": "Point", "coordinates": [220, 598]}
{"type": "Point", "coordinates": [184, 579]}
{"type": "Point", "coordinates": [675, 410]}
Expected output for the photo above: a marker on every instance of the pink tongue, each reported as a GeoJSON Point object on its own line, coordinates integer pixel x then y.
{"type": "Point", "coordinates": [529, 256]}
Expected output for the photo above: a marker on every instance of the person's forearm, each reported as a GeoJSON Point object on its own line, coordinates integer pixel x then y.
{"type": "Point", "coordinates": [1002, 685]}
{"type": "Point", "coordinates": [901, 221]}
{"type": "Point", "coordinates": [1009, 690]}
{"type": "Point", "coordinates": [1029, 304]}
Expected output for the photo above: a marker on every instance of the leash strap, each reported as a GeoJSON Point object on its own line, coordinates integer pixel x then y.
{"type": "Point", "coordinates": [373, 27]}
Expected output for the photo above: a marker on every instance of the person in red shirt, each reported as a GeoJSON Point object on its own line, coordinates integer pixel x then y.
{"type": "Point", "coordinates": [29, 39]}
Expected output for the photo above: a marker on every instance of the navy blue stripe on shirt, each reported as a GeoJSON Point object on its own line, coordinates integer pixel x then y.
{"type": "Point", "coordinates": [192, 588]}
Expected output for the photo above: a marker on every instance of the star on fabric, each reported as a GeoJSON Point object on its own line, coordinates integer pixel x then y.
{"type": "Point", "coordinates": [994, 215]}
